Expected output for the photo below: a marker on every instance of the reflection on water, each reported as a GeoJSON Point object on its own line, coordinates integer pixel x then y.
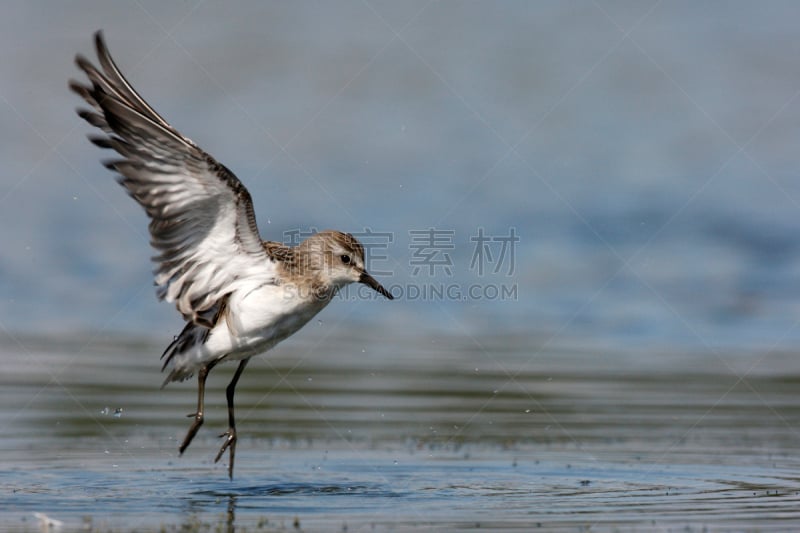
{"type": "Point", "coordinates": [431, 433]}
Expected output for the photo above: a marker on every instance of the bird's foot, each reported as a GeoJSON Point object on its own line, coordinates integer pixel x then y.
{"type": "Point", "coordinates": [229, 444]}
{"type": "Point", "coordinates": [198, 421]}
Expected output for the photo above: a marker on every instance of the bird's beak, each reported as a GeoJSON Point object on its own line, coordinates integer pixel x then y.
{"type": "Point", "coordinates": [368, 280]}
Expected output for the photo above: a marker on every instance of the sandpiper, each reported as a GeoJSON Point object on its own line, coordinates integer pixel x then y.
{"type": "Point", "coordinates": [239, 295]}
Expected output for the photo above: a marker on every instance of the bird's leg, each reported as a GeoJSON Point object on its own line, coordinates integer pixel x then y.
{"type": "Point", "coordinates": [198, 416]}
{"type": "Point", "coordinates": [230, 435]}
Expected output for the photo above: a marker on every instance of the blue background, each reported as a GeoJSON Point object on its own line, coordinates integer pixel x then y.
{"type": "Point", "coordinates": [646, 154]}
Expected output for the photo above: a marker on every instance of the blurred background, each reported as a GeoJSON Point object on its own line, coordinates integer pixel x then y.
{"type": "Point", "coordinates": [586, 210]}
{"type": "Point", "coordinates": [643, 154]}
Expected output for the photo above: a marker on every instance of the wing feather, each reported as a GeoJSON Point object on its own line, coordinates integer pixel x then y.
{"type": "Point", "coordinates": [202, 222]}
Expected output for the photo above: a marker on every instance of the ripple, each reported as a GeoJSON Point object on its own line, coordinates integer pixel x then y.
{"type": "Point", "coordinates": [303, 489]}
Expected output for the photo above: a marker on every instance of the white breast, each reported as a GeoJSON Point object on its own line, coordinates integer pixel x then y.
{"type": "Point", "coordinates": [260, 318]}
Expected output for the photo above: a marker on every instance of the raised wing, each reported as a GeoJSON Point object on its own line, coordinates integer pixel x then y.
{"type": "Point", "coordinates": [202, 219]}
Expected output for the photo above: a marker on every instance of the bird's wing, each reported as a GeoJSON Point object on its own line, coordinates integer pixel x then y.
{"type": "Point", "coordinates": [201, 216]}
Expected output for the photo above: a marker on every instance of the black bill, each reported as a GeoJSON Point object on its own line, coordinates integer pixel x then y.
{"type": "Point", "coordinates": [368, 280]}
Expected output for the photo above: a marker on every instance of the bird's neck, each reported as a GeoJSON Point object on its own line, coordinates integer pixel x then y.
{"type": "Point", "coordinates": [308, 279]}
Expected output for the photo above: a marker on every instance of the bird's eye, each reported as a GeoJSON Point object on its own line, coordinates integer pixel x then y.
{"type": "Point", "coordinates": [346, 259]}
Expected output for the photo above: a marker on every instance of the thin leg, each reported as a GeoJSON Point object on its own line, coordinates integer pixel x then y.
{"type": "Point", "coordinates": [198, 416]}
{"type": "Point", "coordinates": [230, 441]}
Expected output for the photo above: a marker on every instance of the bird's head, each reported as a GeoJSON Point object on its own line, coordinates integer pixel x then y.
{"type": "Point", "coordinates": [337, 259]}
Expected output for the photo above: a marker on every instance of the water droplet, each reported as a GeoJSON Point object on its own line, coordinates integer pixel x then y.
{"type": "Point", "coordinates": [310, 379]}
{"type": "Point", "coordinates": [363, 350]}
{"type": "Point", "coordinates": [104, 411]}
{"type": "Point", "coordinates": [319, 322]}
{"type": "Point", "coordinates": [527, 410]}
{"type": "Point", "coordinates": [394, 462]}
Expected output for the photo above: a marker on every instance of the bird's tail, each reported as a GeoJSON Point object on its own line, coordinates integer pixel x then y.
{"type": "Point", "coordinates": [191, 336]}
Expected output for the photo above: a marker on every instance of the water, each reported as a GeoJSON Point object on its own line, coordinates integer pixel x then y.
{"type": "Point", "coordinates": [431, 434]}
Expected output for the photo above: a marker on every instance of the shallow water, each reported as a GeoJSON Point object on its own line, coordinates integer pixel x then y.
{"type": "Point", "coordinates": [440, 435]}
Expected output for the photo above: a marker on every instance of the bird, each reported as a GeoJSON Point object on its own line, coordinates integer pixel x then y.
{"type": "Point", "coordinates": [238, 294]}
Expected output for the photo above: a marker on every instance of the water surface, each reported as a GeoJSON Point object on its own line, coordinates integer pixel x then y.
{"type": "Point", "coordinates": [437, 435]}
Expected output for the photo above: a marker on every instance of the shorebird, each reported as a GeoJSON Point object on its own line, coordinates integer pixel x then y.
{"type": "Point", "coordinates": [239, 295]}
